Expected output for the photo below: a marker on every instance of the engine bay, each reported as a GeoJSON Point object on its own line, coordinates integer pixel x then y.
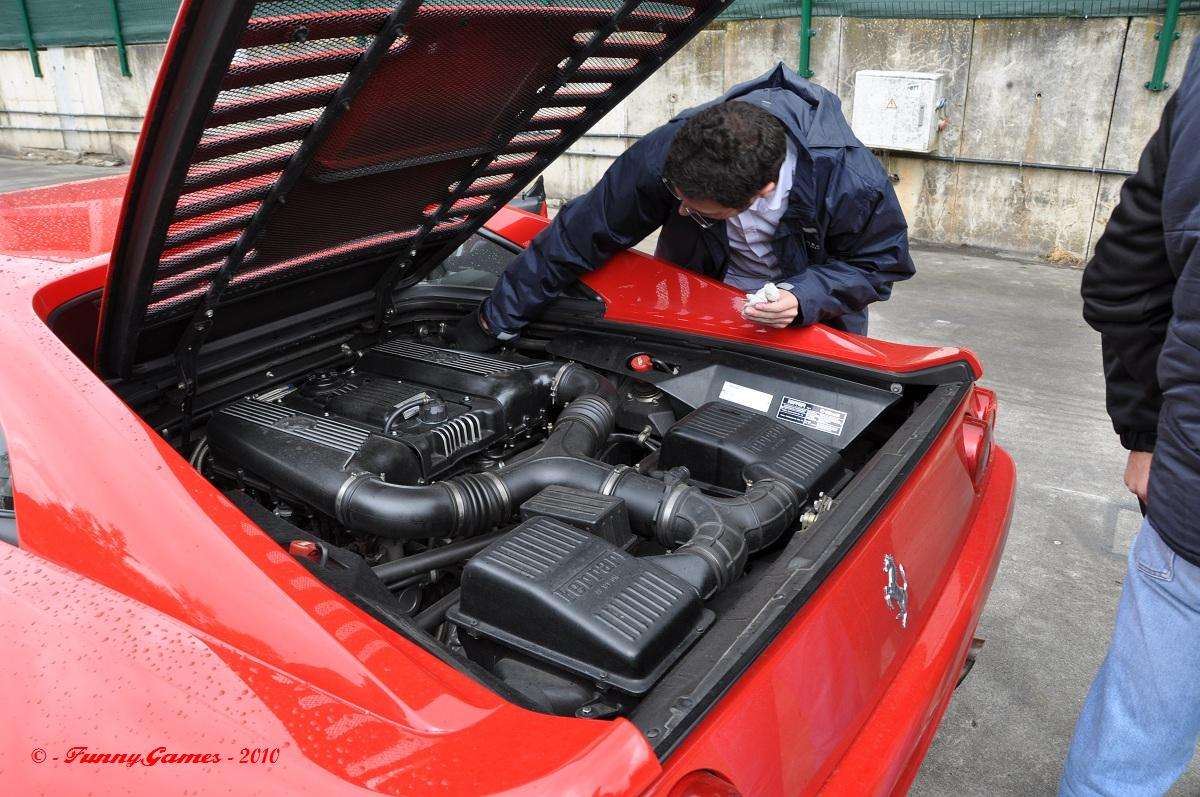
{"type": "Point", "coordinates": [562, 517]}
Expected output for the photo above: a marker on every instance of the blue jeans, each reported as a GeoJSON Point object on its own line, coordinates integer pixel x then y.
{"type": "Point", "coordinates": [1141, 718]}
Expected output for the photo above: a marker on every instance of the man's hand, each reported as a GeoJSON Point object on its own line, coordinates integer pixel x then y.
{"type": "Point", "coordinates": [779, 313]}
{"type": "Point", "coordinates": [1137, 473]}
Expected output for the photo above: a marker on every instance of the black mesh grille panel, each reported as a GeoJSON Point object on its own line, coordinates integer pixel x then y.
{"type": "Point", "coordinates": [277, 83]}
{"type": "Point", "coordinates": [318, 150]}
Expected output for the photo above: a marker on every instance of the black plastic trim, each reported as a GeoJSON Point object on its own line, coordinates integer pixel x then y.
{"type": "Point", "coordinates": [81, 341]}
{"type": "Point", "coordinates": [71, 304]}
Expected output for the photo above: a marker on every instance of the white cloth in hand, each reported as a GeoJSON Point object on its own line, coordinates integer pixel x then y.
{"type": "Point", "coordinates": [769, 292]}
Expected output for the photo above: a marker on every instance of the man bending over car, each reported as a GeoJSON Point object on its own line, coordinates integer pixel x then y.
{"type": "Point", "coordinates": [766, 189]}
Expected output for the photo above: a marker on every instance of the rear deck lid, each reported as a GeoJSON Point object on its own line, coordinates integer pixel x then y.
{"type": "Point", "coordinates": [301, 153]}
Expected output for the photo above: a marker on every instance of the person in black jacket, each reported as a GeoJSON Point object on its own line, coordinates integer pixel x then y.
{"type": "Point", "coordinates": [1141, 719]}
{"type": "Point", "coordinates": [765, 185]}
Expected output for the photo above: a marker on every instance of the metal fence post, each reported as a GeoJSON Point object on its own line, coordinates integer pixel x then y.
{"type": "Point", "coordinates": [806, 34]}
{"type": "Point", "coordinates": [28, 28]}
{"type": "Point", "coordinates": [1166, 37]}
{"type": "Point", "coordinates": [119, 38]}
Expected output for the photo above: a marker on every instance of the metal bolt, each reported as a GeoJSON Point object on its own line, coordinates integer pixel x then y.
{"type": "Point", "coordinates": [897, 388]}
{"type": "Point", "coordinates": [585, 710]}
{"type": "Point", "coordinates": [181, 386]}
{"type": "Point", "coordinates": [208, 313]}
{"type": "Point", "coordinates": [270, 374]}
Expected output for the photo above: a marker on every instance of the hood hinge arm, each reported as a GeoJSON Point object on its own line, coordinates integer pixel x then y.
{"type": "Point", "coordinates": [187, 351]}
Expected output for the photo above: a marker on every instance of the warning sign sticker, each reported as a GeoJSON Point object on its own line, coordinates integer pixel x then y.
{"type": "Point", "coordinates": [814, 416]}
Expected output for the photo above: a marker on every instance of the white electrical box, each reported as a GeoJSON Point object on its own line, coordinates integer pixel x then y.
{"type": "Point", "coordinates": [897, 110]}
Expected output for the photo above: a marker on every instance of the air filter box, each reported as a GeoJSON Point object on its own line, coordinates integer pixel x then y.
{"type": "Point", "coordinates": [573, 600]}
{"type": "Point", "coordinates": [726, 446]}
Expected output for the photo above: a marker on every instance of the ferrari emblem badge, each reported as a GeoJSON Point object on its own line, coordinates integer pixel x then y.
{"type": "Point", "coordinates": [895, 592]}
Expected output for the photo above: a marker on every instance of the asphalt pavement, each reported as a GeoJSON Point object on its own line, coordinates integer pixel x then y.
{"type": "Point", "coordinates": [17, 173]}
{"type": "Point", "coordinates": [1051, 609]}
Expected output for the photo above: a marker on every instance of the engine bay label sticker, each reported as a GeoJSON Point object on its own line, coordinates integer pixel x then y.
{"type": "Point", "coordinates": [814, 416]}
{"type": "Point", "coordinates": [746, 396]}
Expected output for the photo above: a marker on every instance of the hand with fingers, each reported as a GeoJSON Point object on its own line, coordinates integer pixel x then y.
{"type": "Point", "coordinates": [771, 307]}
{"type": "Point", "coordinates": [1137, 473]}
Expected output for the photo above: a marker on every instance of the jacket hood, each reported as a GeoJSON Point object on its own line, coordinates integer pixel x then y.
{"type": "Point", "coordinates": [812, 114]}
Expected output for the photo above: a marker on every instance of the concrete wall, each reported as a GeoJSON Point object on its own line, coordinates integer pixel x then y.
{"type": "Point", "coordinates": [82, 103]}
{"type": "Point", "coordinates": [1058, 91]}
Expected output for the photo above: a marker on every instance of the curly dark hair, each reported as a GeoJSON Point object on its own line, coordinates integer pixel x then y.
{"type": "Point", "coordinates": [726, 153]}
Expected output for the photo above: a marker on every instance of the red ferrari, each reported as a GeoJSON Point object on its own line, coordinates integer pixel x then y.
{"type": "Point", "coordinates": [270, 532]}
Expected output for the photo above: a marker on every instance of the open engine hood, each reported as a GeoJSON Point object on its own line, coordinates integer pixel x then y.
{"type": "Point", "coordinates": [300, 153]}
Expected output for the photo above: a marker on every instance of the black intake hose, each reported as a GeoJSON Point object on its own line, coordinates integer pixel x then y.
{"type": "Point", "coordinates": [716, 535]}
{"type": "Point", "coordinates": [473, 503]}
{"type": "Point", "coordinates": [712, 536]}
{"type": "Point", "coordinates": [572, 381]}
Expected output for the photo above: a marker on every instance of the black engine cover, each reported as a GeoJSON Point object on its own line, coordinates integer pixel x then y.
{"type": "Point", "coordinates": [407, 412]}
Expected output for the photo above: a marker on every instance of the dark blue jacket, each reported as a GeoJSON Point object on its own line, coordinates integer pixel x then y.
{"type": "Point", "coordinates": [841, 243]}
{"type": "Point", "coordinates": [1141, 291]}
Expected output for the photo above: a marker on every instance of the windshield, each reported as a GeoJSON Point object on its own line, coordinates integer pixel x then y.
{"type": "Point", "coordinates": [478, 263]}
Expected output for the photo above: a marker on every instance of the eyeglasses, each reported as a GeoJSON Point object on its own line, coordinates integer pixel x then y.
{"type": "Point", "coordinates": [704, 221]}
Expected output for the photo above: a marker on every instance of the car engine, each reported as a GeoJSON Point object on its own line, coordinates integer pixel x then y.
{"type": "Point", "coordinates": [558, 525]}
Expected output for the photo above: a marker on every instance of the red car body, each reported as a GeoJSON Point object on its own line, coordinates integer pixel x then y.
{"type": "Point", "coordinates": [124, 634]}
{"type": "Point", "coordinates": [150, 623]}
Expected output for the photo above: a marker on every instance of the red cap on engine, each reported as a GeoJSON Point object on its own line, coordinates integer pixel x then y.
{"type": "Point", "coordinates": [641, 363]}
{"type": "Point", "coordinates": [304, 549]}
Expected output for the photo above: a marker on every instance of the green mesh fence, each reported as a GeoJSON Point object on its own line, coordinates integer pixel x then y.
{"type": "Point", "coordinates": [64, 23]}
{"type": "Point", "coordinates": [57, 23]}
{"type": "Point", "coordinates": [955, 9]}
